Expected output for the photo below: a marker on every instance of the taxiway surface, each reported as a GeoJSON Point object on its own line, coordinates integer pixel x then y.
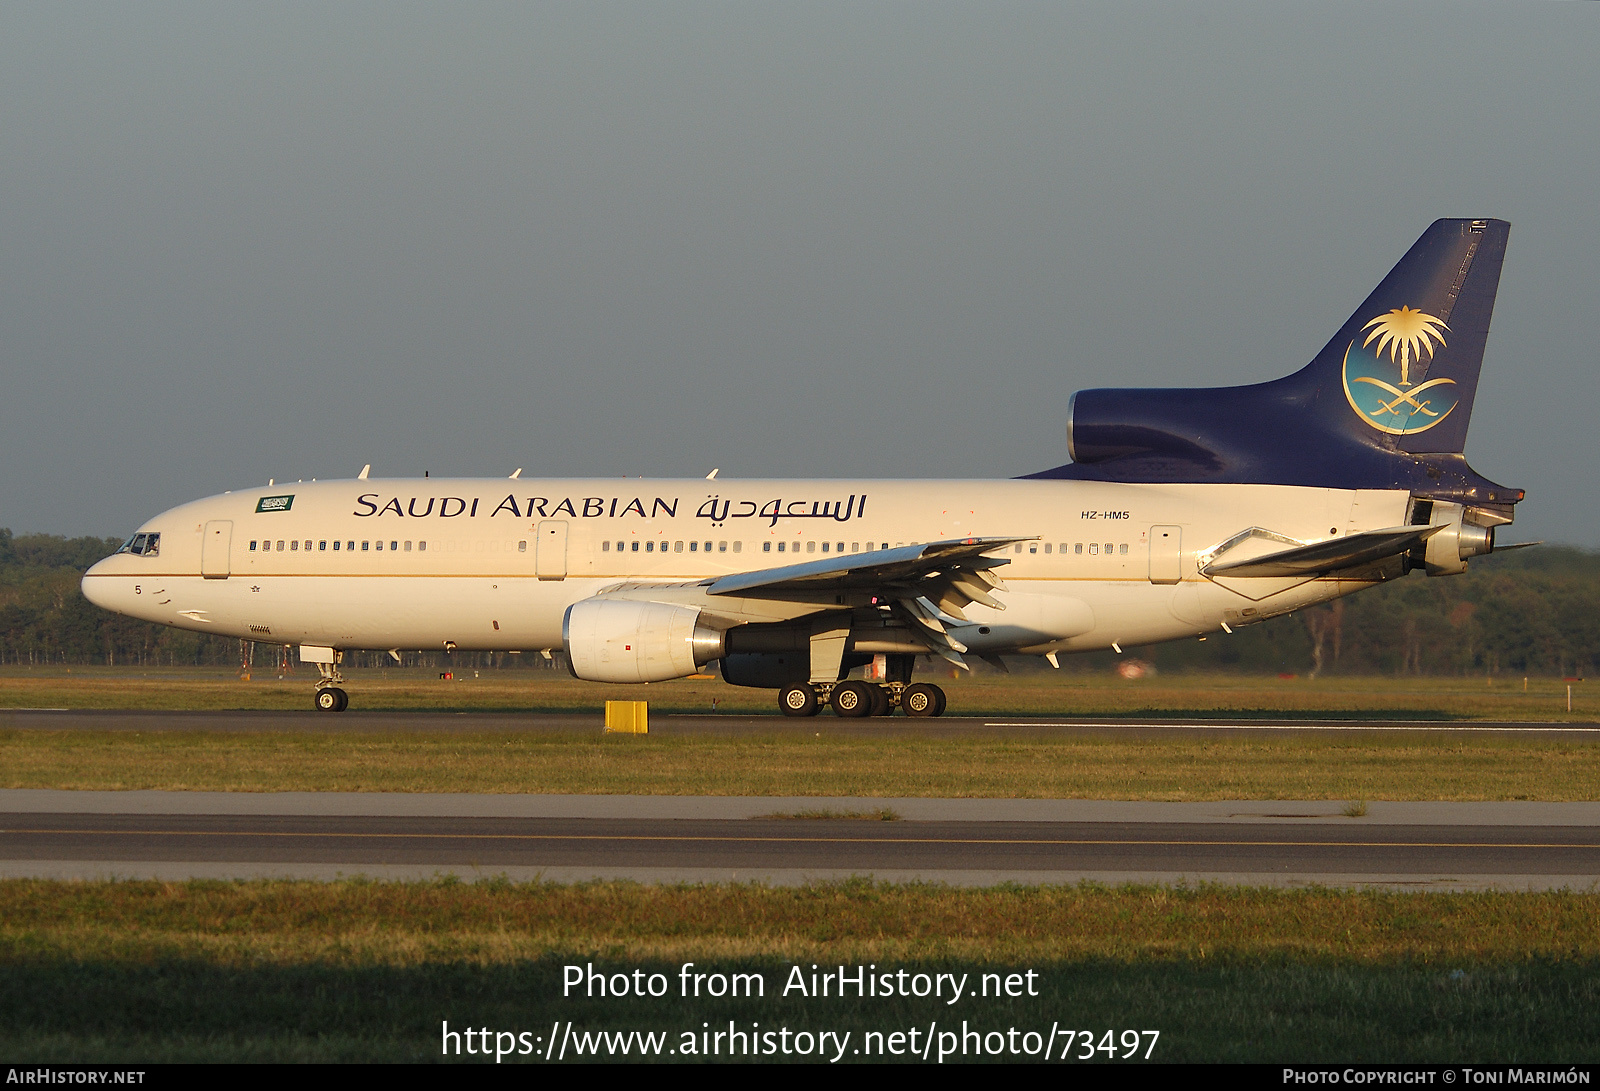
{"type": "Point", "coordinates": [172, 835]}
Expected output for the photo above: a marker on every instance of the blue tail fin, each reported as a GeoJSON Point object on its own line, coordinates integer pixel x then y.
{"type": "Point", "coordinates": [1385, 404]}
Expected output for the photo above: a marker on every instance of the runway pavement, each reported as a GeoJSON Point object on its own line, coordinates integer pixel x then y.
{"type": "Point", "coordinates": [358, 722]}
{"type": "Point", "coordinates": [175, 835]}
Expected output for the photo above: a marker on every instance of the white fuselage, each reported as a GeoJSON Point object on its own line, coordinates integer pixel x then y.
{"type": "Point", "coordinates": [494, 563]}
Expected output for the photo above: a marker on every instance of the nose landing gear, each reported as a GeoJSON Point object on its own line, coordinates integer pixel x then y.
{"type": "Point", "coordinates": [330, 697]}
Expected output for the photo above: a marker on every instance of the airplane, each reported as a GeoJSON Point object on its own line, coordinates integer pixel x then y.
{"type": "Point", "coordinates": [1182, 513]}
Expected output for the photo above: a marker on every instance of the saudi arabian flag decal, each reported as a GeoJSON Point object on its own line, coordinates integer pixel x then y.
{"type": "Point", "coordinates": [1377, 373]}
{"type": "Point", "coordinates": [275, 503]}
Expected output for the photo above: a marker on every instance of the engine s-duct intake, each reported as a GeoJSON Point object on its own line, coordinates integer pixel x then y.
{"type": "Point", "coordinates": [620, 640]}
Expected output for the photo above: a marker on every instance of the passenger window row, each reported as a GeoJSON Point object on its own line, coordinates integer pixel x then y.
{"type": "Point", "coordinates": [651, 546]}
{"type": "Point", "coordinates": [1119, 549]}
{"type": "Point", "coordinates": [294, 546]}
{"type": "Point", "coordinates": [827, 547]}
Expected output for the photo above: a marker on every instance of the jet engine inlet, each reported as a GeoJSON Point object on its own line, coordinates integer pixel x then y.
{"type": "Point", "coordinates": [621, 640]}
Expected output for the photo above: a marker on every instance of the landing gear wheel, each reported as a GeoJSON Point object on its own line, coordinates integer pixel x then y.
{"type": "Point", "coordinates": [853, 699]}
{"type": "Point", "coordinates": [881, 705]}
{"type": "Point", "coordinates": [332, 699]}
{"type": "Point", "coordinates": [921, 699]}
{"type": "Point", "coordinates": [799, 700]}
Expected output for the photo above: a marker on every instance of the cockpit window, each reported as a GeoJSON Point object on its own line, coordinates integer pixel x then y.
{"type": "Point", "coordinates": [142, 545]}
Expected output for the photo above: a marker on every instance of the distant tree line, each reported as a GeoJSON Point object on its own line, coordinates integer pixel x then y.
{"type": "Point", "coordinates": [1535, 611]}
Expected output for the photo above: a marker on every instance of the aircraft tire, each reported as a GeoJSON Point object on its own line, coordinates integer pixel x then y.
{"type": "Point", "coordinates": [327, 699]}
{"type": "Point", "coordinates": [852, 699]}
{"type": "Point", "coordinates": [798, 700]}
{"type": "Point", "coordinates": [881, 705]}
{"type": "Point", "coordinates": [938, 693]}
{"type": "Point", "coordinates": [921, 699]}
{"type": "Point", "coordinates": [344, 701]}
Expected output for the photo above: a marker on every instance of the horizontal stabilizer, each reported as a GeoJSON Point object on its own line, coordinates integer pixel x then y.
{"type": "Point", "coordinates": [1320, 558]}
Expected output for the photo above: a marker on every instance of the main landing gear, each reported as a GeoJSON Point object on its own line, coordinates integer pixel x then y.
{"type": "Point", "coordinates": [330, 697]}
{"type": "Point", "coordinates": [852, 699]}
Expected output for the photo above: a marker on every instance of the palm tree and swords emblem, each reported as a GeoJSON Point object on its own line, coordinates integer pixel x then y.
{"type": "Point", "coordinates": [1407, 338]}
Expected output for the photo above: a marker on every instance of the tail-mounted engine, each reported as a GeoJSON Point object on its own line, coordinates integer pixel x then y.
{"type": "Point", "coordinates": [1448, 549]}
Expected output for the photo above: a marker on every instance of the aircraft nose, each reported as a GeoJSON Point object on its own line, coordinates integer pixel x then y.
{"type": "Point", "coordinates": [97, 588]}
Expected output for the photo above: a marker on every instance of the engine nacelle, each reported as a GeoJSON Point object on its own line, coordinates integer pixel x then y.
{"type": "Point", "coordinates": [620, 640]}
{"type": "Point", "coordinates": [1448, 550]}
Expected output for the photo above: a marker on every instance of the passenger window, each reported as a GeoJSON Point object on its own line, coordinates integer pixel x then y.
{"type": "Point", "coordinates": [252, 546]}
{"type": "Point", "coordinates": [825, 547]}
{"type": "Point", "coordinates": [308, 545]}
{"type": "Point", "coordinates": [766, 547]}
{"type": "Point", "coordinates": [708, 547]}
{"type": "Point", "coordinates": [1063, 547]}
{"type": "Point", "coordinates": [350, 545]}
{"type": "Point", "coordinates": [855, 547]}
{"type": "Point", "coordinates": [1123, 549]}
{"type": "Point", "coordinates": [522, 546]}
{"type": "Point", "coordinates": [677, 547]}
{"type": "Point", "coordinates": [1033, 549]}
{"type": "Point", "coordinates": [738, 547]}
{"type": "Point", "coordinates": [811, 547]}
{"type": "Point", "coordinates": [605, 547]}
{"type": "Point", "coordinates": [393, 546]}
{"type": "Point", "coordinates": [280, 547]}
{"type": "Point", "coordinates": [408, 547]}
{"type": "Point", "coordinates": [336, 547]}
{"type": "Point", "coordinates": [1094, 548]}
{"type": "Point", "coordinates": [722, 547]}
{"type": "Point", "coordinates": [364, 546]}
{"type": "Point", "coordinates": [422, 547]}
{"type": "Point", "coordinates": [636, 545]}
{"type": "Point", "coordinates": [1078, 547]}
{"type": "Point", "coordinates": [378, 546]}
{"type": "Point", "coordinates": [1047, 547]}
{"type": "Point", "coordinates": [322, 547]}
{"type": "Point", "coordinates": [694, 547]}
{"type": "Point", "coordinates": [1016, 549]}
{"type": "Point", "coordinates": [1108, 549]}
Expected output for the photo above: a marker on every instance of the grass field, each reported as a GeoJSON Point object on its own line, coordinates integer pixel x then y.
{"type": "Point", "coordinates": [368, 971]}
{"type": "Point", "coordinates": [829, 763]}
{"type": "Point", "coordinates": [1034, 693]}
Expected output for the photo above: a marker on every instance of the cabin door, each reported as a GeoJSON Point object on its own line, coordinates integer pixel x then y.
{"type": "Point", "coordinates": [1166, 554]}
{"type": "Point", "coordinates": [215, 548]}
{"type": "Point", "coordinates": [550, 555]}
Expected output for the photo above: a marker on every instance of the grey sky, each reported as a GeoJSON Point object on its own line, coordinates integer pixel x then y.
{"type": "Point", "coordinates": [252, 241]}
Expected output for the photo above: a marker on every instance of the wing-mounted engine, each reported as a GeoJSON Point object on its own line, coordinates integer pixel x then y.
{"type": "Point", "coordinates": [626, 640]}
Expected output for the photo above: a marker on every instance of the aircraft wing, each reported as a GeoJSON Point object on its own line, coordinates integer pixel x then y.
{"type": "Point", "coordinates": [1321, 558]}
{"type": "Point", "coordinates": [879, 568]}
{"type": "Point", "coordinates": [919, 583]}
